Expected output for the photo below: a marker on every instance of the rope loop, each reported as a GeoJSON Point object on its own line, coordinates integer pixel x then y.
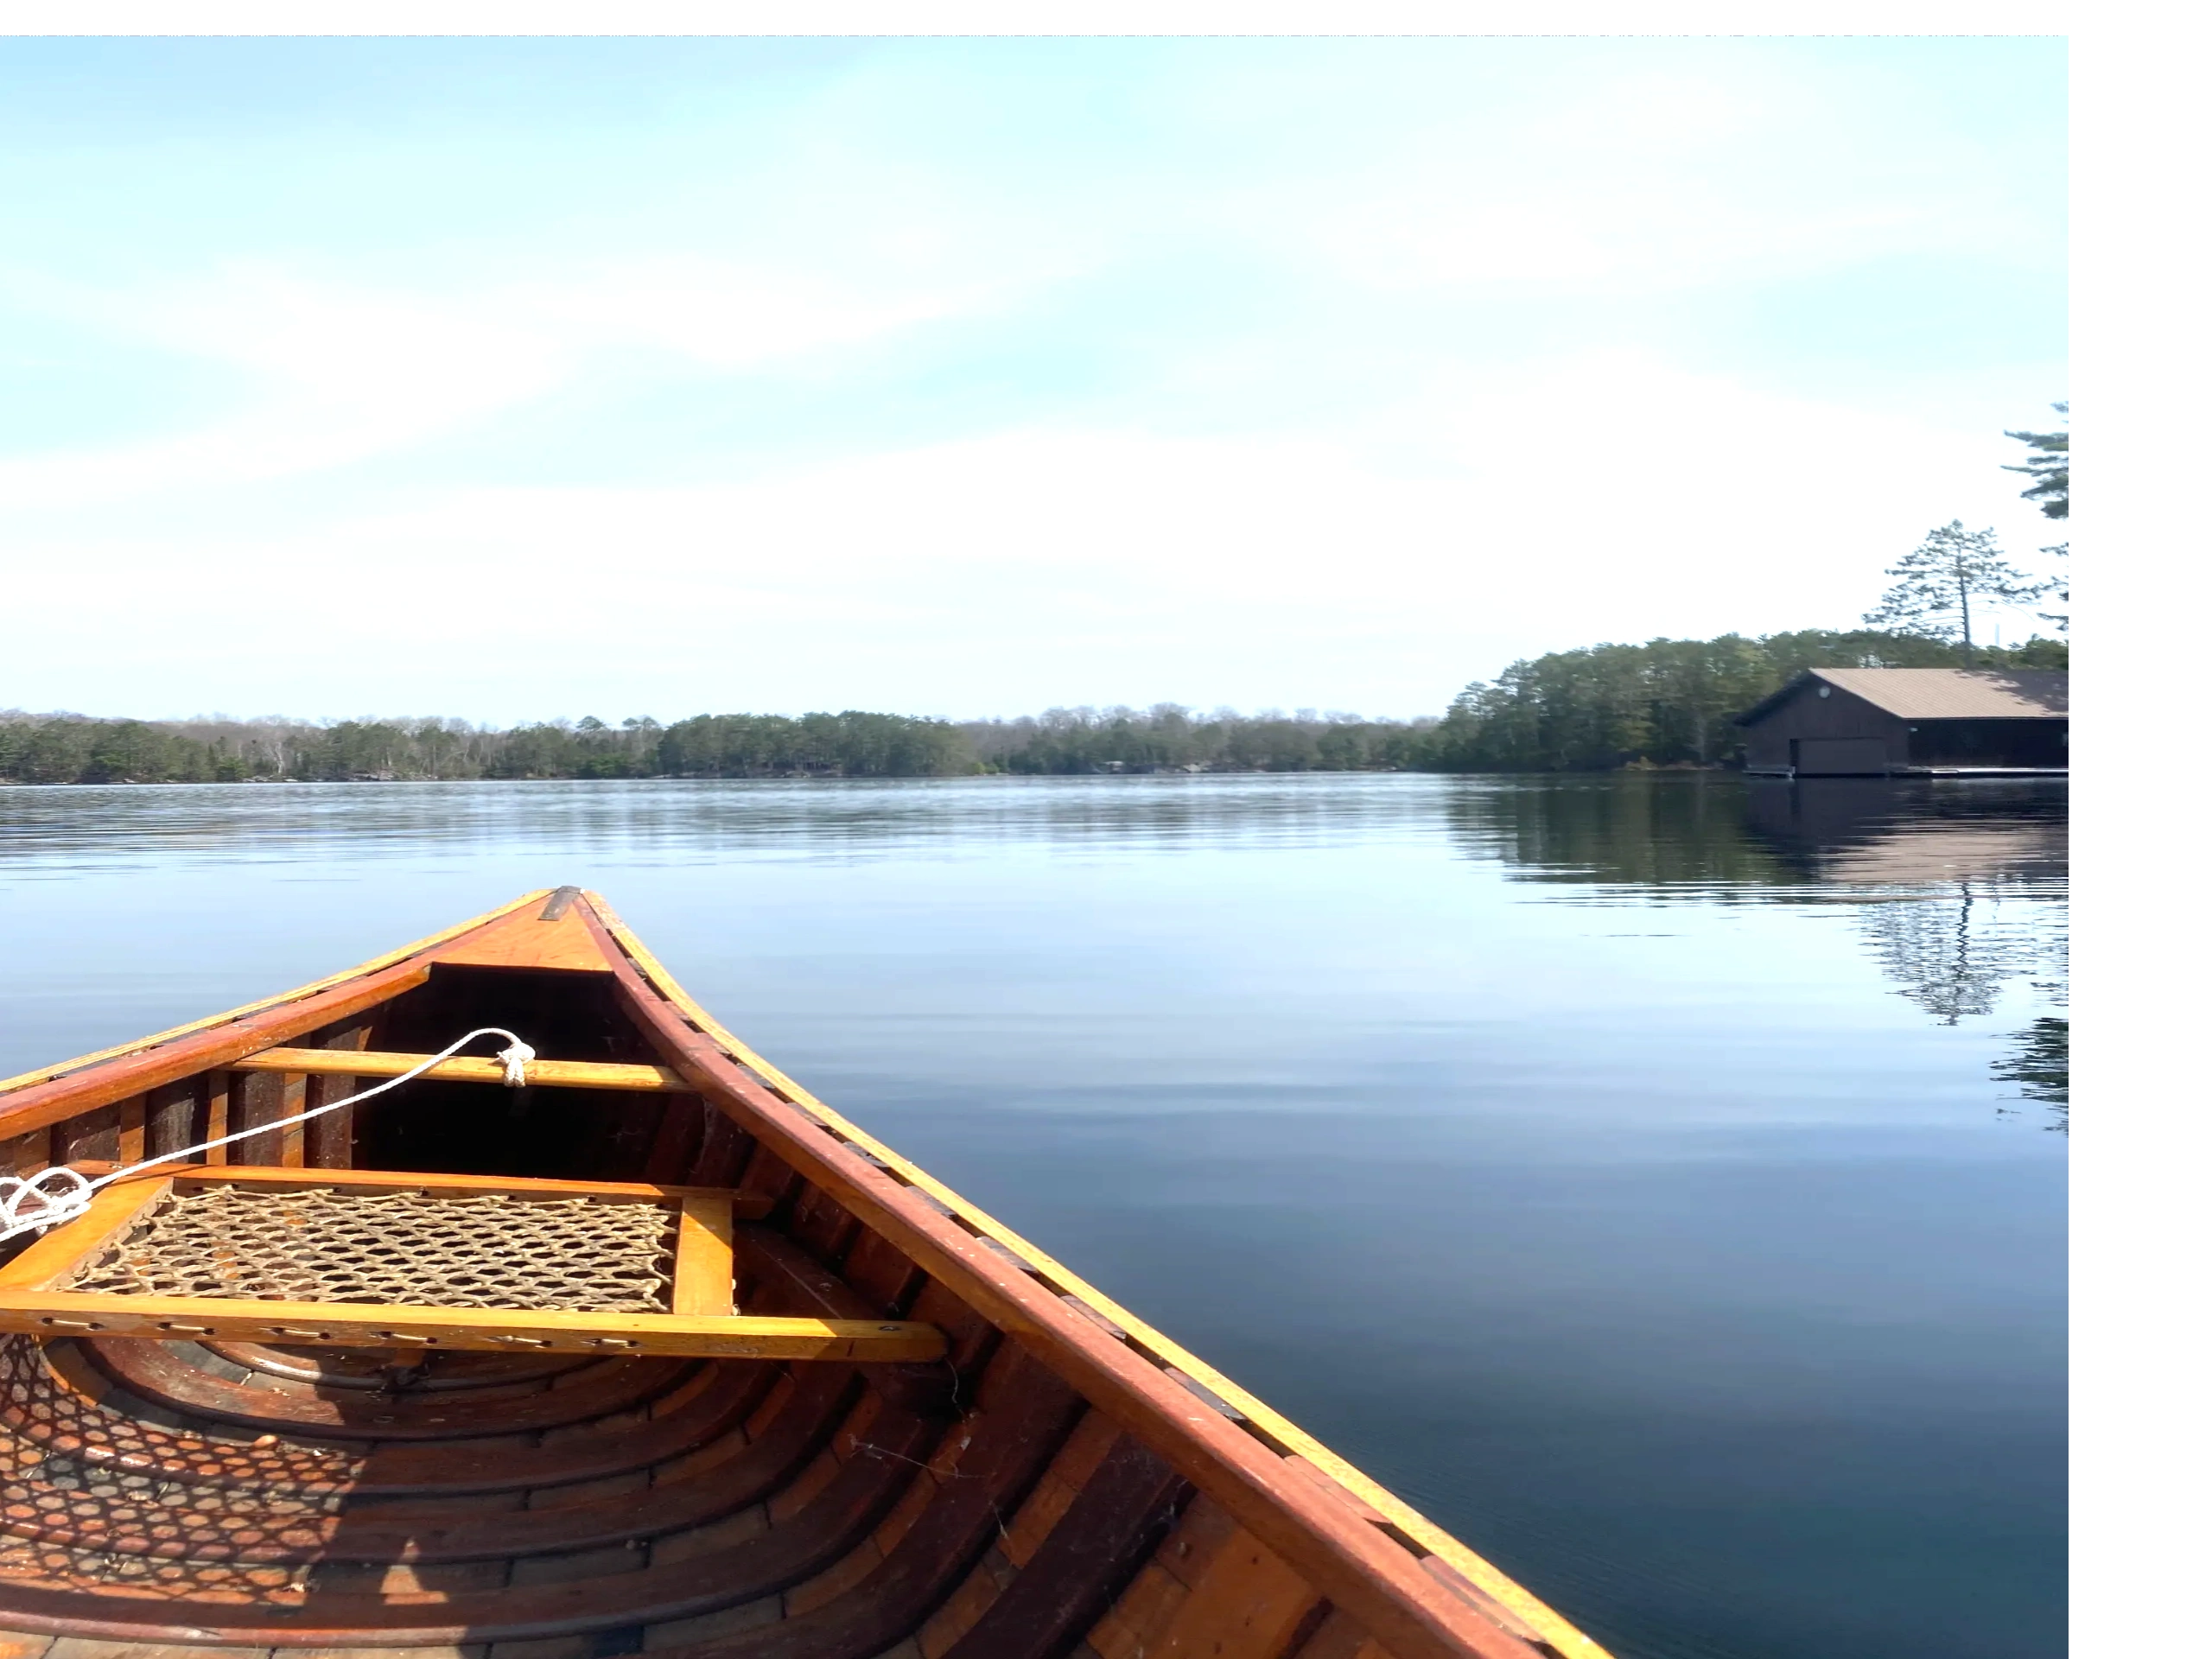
{"type": "Point", "coordinates": [30, 1203]}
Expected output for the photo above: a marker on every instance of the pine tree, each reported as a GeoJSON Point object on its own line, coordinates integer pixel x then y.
{"type": "Point", "coordinates": [1938, 581]}
{"type": "Point", "coordinates": [2048, 466]}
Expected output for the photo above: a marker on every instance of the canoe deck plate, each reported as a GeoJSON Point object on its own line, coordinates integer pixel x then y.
{"type": "Point", "coordinates": [579, 1255]}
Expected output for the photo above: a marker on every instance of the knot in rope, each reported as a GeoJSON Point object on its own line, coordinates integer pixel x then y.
{"type": "Point", "coordinates": [29, 1203]}
{"type": "Point", "coordinates": [516, 1055]}
{"type": "Point", "coordinates": [34, 1201]}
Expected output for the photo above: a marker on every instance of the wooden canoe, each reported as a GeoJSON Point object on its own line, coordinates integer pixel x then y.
{"type": "Point", "coordinates": [1035, 1473]}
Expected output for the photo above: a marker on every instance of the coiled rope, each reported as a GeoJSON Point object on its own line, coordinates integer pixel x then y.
{"type": "Point", "coordinates": [53, 1195]}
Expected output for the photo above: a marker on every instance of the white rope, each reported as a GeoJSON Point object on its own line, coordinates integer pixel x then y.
{"type": "Point", "coordinates": [30, 1202]}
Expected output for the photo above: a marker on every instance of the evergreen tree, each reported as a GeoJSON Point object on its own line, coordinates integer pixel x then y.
{"type": "Point", "coordinates": [1938, 581]}
{"type": "Point", "coordinates": [2048, 466]}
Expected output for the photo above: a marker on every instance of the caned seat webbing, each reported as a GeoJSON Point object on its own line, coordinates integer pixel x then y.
{"type": "Point", "coordinates": [393, 1249]}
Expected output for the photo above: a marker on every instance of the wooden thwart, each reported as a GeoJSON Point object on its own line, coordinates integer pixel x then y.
{"type": "Point", "coordinates": [346, 1325]}
{"type": "Point", "coordinates": [552, 1074]}
{"type": "Point", "coordinates": [702, 1320]}
{"type": "Point", "coordinates": [190, 1177]}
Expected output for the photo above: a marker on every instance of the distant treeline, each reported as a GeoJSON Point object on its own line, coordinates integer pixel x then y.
{"type": "Point", "coordinates": [1168, 737]}
{"type": "Point", "coordinates": [1669, 703]}
{"type": "Point", "coordinates": [74, 749]}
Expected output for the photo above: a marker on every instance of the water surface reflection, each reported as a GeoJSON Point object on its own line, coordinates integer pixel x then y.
{"type": "Point", "coordinates": [1638, 1173]}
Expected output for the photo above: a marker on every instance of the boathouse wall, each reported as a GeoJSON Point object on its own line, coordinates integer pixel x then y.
{"type": "Point", "coordinates": [1833, 735]}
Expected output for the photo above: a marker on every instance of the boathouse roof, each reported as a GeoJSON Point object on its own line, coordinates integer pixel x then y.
{"type": "Point", "coordinates": [1939, 693]}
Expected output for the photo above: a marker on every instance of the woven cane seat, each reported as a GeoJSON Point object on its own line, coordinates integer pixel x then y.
{"type": "Point", "coordinates": [490, 1250]}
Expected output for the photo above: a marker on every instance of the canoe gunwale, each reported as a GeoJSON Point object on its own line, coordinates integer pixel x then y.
{"type": "Point", "coordinates": [1405, 1525]}
{"type": "Point", "coordinates": [41, 1104]}
{"type": "Point", "coordinates": [1374, 1575]}
{"type": "Point", "coordinates": [298, 993]}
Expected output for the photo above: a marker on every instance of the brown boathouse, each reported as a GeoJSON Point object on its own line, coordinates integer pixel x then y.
{"type": "Point", "coordinates": [1862, 722]}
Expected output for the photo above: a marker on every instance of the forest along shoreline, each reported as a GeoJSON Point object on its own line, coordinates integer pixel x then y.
{"type": "Point", "coordinates": [1667, 703]}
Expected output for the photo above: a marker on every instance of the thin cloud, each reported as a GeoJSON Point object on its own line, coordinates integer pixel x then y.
{"type": "Point", "coordinates": [985, 376]}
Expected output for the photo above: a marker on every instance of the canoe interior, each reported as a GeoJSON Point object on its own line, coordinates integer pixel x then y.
{"type": "Point", "coordinates": [1059, 1485]}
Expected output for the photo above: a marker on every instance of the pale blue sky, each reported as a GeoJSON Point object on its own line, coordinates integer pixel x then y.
{"type": "Point", "coordinates": [518, 378]}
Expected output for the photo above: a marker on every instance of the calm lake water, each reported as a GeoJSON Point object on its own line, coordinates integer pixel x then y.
{"type": "Point", "coordinates": [1624, 1169]}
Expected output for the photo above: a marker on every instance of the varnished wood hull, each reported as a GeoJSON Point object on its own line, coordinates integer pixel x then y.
{"type": "Point", "coordinates": [1067, 1482]}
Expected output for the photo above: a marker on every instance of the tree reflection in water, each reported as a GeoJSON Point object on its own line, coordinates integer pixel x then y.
{"type": "Point", "coordinates": [2038, 1065]}
{"type": "Point", "coordinates": [1953, 955]}
{"type": "Point", "coordinates": [1959, 885]}
{"type": "Point", "coordinates": [1973, 883]}
{"type": "Point", "coordinates": [1946, 970]}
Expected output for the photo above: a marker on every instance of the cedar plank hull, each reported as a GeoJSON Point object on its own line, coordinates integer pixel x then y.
{"type": "Point", "coordinates": [1066, 1482]}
